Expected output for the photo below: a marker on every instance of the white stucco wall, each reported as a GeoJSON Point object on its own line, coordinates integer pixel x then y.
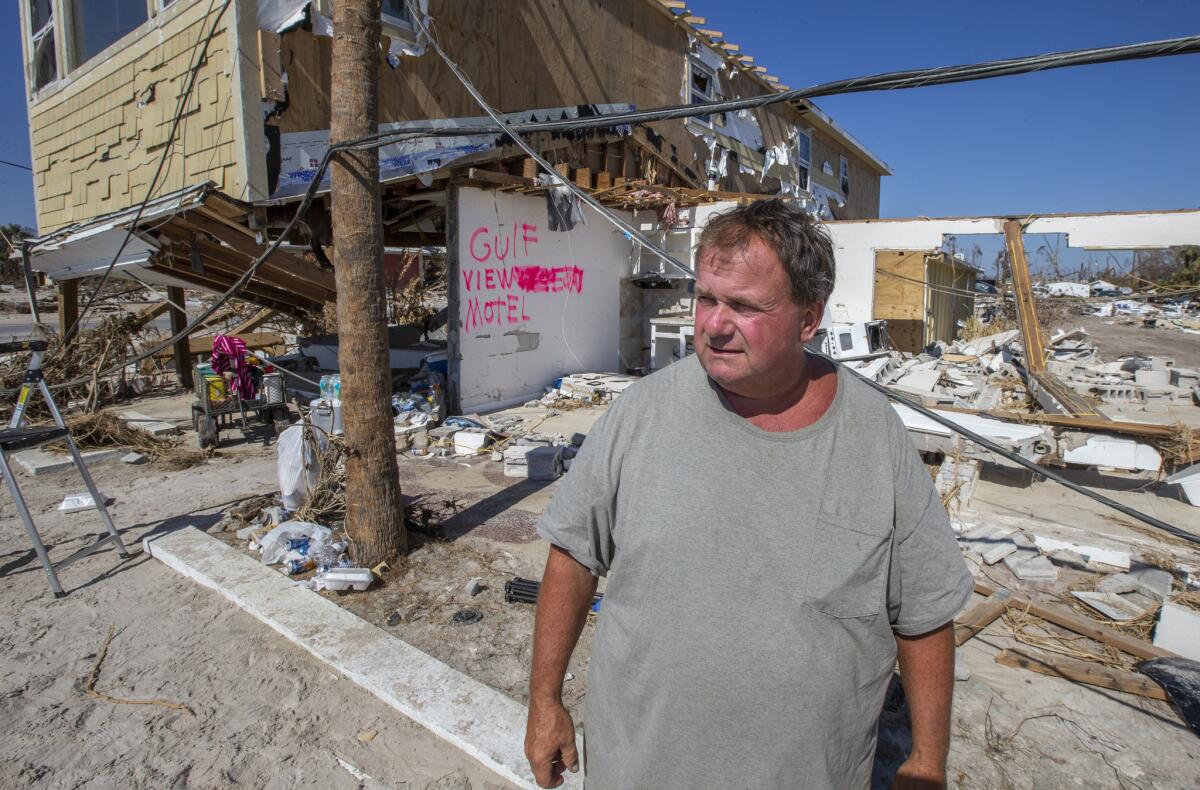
{"type": "Point", "coordinates": [855, 243]}
{"type": "Point", "coordinates": [534, 304]}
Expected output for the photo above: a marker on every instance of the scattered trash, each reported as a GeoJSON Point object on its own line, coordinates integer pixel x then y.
{"type": "Point", "coordinates": [466, 617]}
{"type": "Point", "coordinates": [76, 503]}
{"type": "Point", "coordinates": [133, 458]}
{"type": "Point", "coordinates": [474, 587]}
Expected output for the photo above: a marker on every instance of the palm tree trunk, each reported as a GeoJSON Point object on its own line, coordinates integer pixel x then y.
{"type": "Point", "coordinates": [374, 510]}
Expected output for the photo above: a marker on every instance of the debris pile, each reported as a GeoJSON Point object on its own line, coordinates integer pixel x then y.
{"type": "Point", "coordinates": [983, 384]}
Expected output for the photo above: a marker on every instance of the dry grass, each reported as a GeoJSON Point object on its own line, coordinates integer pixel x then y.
{"type": "Point", "coordinates": [114, 340]}
{"type": "Point", "coordinates": [105, 429]}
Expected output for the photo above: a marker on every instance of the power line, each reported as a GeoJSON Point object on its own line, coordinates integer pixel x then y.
{"type": "Point", "coordinates": [889, 81]}
{"type": "Point", "coordinates": [16, 164]}
{"type": "Point", "coordinates": [635, 235]}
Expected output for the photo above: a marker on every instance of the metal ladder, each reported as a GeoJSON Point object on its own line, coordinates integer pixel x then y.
{"type": "Point", "coordinates": [17, 437]}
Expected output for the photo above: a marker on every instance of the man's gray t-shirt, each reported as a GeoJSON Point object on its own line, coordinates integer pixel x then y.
{"type": "Point", "coordinates": [756, 581]}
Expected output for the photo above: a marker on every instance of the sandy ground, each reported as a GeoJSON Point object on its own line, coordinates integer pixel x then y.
{"type": "Point", "coordinates": [266, 713]}
{"type": "Point", "coordinates": [1116, 338]}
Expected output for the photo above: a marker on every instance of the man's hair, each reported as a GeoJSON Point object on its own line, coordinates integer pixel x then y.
{"type": "Point", "coordinates": [804, 247]}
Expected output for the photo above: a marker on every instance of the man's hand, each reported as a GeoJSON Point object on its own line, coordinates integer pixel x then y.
{"type": "Point", "coordinates": [916, 775]}
{"type": "Point", "coordinates": [550, 743]}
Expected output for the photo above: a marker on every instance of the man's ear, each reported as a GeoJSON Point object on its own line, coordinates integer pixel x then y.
{"type": "Point", "coordinates": [810, 320]}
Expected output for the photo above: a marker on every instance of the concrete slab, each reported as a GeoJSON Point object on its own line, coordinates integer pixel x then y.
{"type": "Point", "coordinates": [42, 462]}
{"type": "Point", "coordinates": [150, 425]}
{"type": "Point", "coordinates": [476, 718]}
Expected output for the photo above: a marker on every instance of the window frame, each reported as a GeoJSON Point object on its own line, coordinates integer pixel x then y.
{"type": "Point", "coordinates": [802, 162]}
{"type": "Point", "coordinates": [31, 39]}
{"type": "Point", "coordinates": [69, 43]}
{"type": "Point", "coordinates": [711, 120]}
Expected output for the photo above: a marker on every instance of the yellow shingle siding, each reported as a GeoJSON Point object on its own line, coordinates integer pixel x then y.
{"type": "Point", "coordinates": [98, 139]}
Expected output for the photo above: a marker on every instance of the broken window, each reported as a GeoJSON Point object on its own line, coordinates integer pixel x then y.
{"type": "Point", "coordinates": [705, 87]}
{"type": "Point", "coordinates": [396, 14]}
{"type": "Point", "coordinates": [44, 62]}
{"type": "Point", "coordinates": [803, 157]}
{"type": "Point", "coordinates": [99, 23]}
{"type": "Point", "coordinates": [844, 171]}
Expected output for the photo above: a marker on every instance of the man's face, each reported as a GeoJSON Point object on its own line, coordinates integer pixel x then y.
{"type": "Point", "coordinates": [750, 334]}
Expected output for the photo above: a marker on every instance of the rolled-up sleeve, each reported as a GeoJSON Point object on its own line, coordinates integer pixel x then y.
{"type": "Point", "coordinates": [581, 515]}
{"type": "Point", "coordinates": [929, 582]}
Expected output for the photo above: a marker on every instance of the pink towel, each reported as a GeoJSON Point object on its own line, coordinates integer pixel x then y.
{"type": "Point", "coordinates": [229, 353]}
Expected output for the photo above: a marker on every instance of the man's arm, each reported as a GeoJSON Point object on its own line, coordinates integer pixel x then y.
{"type": "Point", "coordinates": [563, 603]}
{"type": "Point", "coordinates": [927, 671]}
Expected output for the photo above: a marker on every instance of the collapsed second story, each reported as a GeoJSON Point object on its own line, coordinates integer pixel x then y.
{"type": "Point", "coordinates": [162, 95]}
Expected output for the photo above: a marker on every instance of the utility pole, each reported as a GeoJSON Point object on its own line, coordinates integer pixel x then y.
{"type": "Point", "coordinates": [374, 510]}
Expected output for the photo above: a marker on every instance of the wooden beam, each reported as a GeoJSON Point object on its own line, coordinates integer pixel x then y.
{"type": "Point", "coordinates": [1031, 333]}
{"type": "Point", "coordinates": [603, 180]}
{"type": "Point", "coordinates": [711, 33]}
{"type": "Point", "coordinates": [672, 3]}
{"type": "Point", "coordinates": [1080, 671]}
{"type": "Point", "coordinates": [148, 314]}
{"type": "Point", "coordinates": [980, 615]}
{"type": "Point", "coordinates": [1065, 618]}
{"type": "Point", "coordinates": [530, 168]}
{"type": "Point", "coordinates": [583, 177]}
{"type": "Point", "coordinates": [725, 45]}
{"type": "Point", "coordinates": [502, 179]}
{"type": "Point", "coordinates": [771, 79]}
{"type": "Point", "coordinates": [183, 361]}
{"type": "Point", "coordinates": [253, 340]}
{"type": "Point", "coordinates": [68, 309]}
{"type": "Point", "coordinates": [253, 322]}
{"type": "Point", "coordinates": [692, 20]}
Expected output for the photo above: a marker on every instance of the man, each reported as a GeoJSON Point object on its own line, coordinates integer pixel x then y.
{"type": "Point", "coordinates": [773, 544]}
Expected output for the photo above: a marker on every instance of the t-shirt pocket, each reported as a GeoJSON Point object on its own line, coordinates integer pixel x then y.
{"type": "Point", "coordinates": [847, 565]}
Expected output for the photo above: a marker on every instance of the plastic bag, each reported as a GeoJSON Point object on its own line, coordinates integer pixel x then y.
{"type": "Point", "coordinates": [275, 543]}
{"type": "Point", "coordinates": [298, 466]}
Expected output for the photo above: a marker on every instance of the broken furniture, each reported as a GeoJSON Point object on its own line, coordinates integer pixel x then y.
{"type": "Point", "coordinates": [17, 436]}
{"type": "Point", "coordinates": [677, 329]}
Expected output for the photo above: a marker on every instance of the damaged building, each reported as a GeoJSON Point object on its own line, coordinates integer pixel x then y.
{"type": "Point", "coordinates": [234, 100]}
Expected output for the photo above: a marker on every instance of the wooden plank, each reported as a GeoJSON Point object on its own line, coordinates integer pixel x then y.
{"type": "Point", "coordinates": [1031, 333]}
{"type": "Point", "coordinates": [148, 314]}
{"type": "Point", "coordinates": [603, 180]}
{"type": "Point", "coordinates": [530, 168]}
{"type": "Point", "coordinates": [583, 177]}
{"type": "Point", "coordinates": [711, 33]}
{"type": "Point", "coordinates": [1065, 618]}
{"type": "Point", "coordinates": [68, 309]}
{"type": "Point", "coordinates": [503, 179]}
{"type": "Point", "coordinates": [980, 615]}
{"type": "Point", "coordinates": [1148, 430]}
{"type": "Point", "coordinates": [672, 4]}
{"type": "Point", "coordinates": [270, 67]}
{"type": "Point", "coordinates": [1081, 671]}
{"type": "Point", "coordinates": [183, 363]}
{"type": "Point", "coordinates": [253, 322]}
{"type": "Point", "coordinates": [563, 169]}
{"type": "Point", "coordinates": [253, 340]}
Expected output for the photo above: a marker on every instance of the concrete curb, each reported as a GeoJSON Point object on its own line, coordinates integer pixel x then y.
{"type": "Point", "coordinates": [474, 717]}
{"type": "Point", "coordinates": [40, 462]}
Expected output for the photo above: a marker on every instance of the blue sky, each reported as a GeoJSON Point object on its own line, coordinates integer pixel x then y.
{"type": "Point", "coordinates": [1099, 138]}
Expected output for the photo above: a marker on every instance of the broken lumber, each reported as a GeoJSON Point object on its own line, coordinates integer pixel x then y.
{"type": "Point", "coordinates": [980, 615]}
{"type": "Point", "coordinates": [1067, 619]}
{"type": "Point", "coordinates": [1080, 671]}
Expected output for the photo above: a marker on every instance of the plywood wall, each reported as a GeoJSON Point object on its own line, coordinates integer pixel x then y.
{"type": "Point", "coordinates": [951, 297]}
{"type": "Point", "coordinates": [900, 297]}
{"type": "Point", "coordinates": [98, 138]}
